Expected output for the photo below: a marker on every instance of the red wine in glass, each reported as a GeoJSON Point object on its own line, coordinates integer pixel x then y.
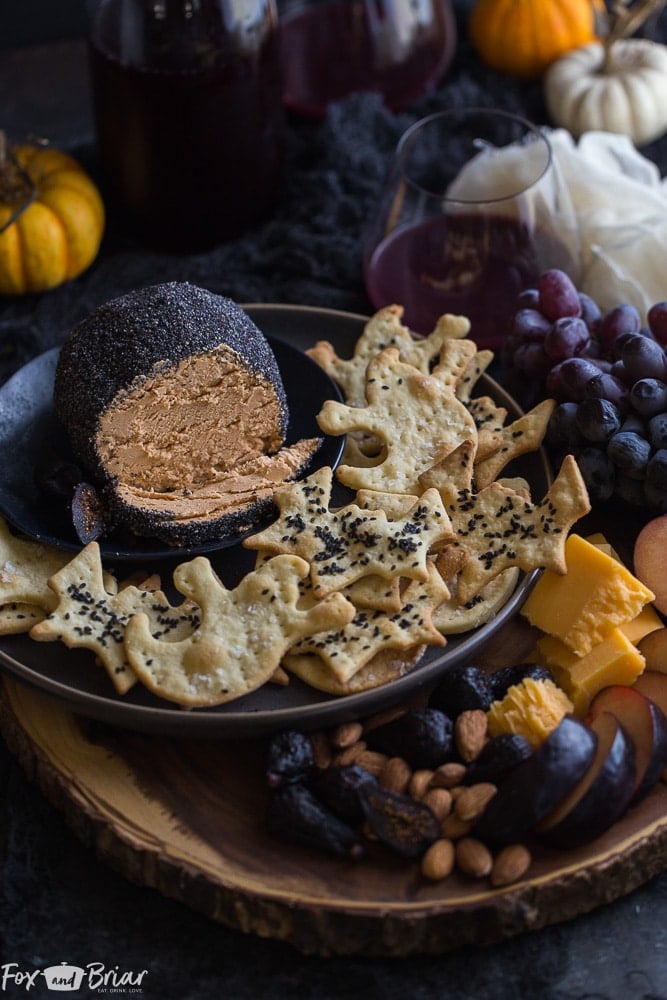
{"type": "Point", "coordinates": [330, 49]}
{"type": "Point", "coordinates": [469, 265]}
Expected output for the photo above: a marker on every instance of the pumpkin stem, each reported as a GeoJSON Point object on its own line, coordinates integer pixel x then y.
{"type": "Point", "coordinates": [625, 19]}
{"type": "Point", "coordinates": [16, 186]}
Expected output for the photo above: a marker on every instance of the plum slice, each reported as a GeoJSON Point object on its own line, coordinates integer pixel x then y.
{"type": "Point", "coordinates": [653, 685]}
{"type": "Point", "coordinates": [601, 797]}
{"type": "Point", "coordinates": [538, 784]}
{"type": "Point", "coordinates": [646, 726]}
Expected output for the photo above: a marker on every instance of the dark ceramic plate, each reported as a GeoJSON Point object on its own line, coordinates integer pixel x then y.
{"type": "Point", "coordinates": [72, 677]}
{"type": "Point", "coordinates": [30, 435]}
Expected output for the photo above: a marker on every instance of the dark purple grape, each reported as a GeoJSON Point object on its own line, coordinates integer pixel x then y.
{"type": "Point", "coordinates": [657, 431]}
{"type": "Point", "coordinates": [529, 298]}
{"type": "Point", "coordinates": [590, 312]}
{"type": "Point", "coordinates": [643, 358]}
{"type": "Point", "coordinates": [655, 484]}
{"type": "Point", "coordinates": [529, 325]}
{"type": "Point", "coordinates": [598, 473]}
{"type": "Point", "coordinates": [630, 453]}
{"type": "Point", "coordinates": [633, 422]}
{"type": "Point", "coordinates": [566, 338]}
{"type": "Point", "coordinates": [597, 419]}
{"type": "Point", "coordinates": [620, 320]}
{"type": "Point", "coordinates": [620, 372]}
{"type": "Point", "coordinates": [657, 321]}
{"type": "Point", "coordinates": [563, 432]}
{"type": "Point", "coordinates": [629, 490]}
{"type": "Point", "coordinates": [530, 359]}
{"type": "Point", "coordinates": [558, 295]}
{"type": "Point", "coordinates": [649, 396]}
{"type": "Point", "coordinates": [567, 380]}
{"type": "Point", "coordinates": [606, 386]}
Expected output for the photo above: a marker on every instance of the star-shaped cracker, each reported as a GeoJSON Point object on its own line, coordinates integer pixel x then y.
{"type": "Point", "coordinates": [417, 416]}
{"type": "Point", "coordinates": [347, 650]}
{"type": "Point", "coordinates": [88, 616]}
{"type": "Point", "coordinates": [346, 544]}
{"type": "Point", "coordinates": [524, 434]}
{"type": "Point", "coordinates": [242, 635]}
{"type": "Point", "coordinates": [498, 527]}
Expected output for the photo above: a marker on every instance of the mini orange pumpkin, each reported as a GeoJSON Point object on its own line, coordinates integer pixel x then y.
{"type": "Point", "coordinates": [523, 37]}
{"type": "Point", "coordinates": [51, 218]}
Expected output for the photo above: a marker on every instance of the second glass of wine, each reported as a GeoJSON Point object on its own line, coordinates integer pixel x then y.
{"type": "Point", "coordinates": [331, 48]}
{"type": "Point", "coordinates": [469, 216]}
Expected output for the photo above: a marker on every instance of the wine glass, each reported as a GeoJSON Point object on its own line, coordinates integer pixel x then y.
{"type": "Point", "coordinates": [472, 211]}
{"type": "Point", "coordinates": [331, 48]}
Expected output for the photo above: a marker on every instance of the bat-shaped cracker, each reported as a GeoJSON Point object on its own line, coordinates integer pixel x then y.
{"type": "Point", "coordinates": [242, 635]}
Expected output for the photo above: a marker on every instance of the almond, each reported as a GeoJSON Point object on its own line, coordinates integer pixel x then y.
{"type": "Point", "coordinates": [372, 761]}
{"type": "Point", "coordinates": [350, 755]}
{"type": "Point", "coordinates": [438, 860]}
{"type": "Point", "coordinates": [470, 732]}
{"type": "Point", "coordinates": [510, 864]}
{"type": "Point", "coordinates": [346, 735]}
{"type": "Point", "coordinates": [448, 775]}
{"type": "Point", "coordinates": [420, 782]}
{"type": "Point", "coordinates": [395, 775]}
{"type": "Point", "coordinates": [322, 752]}
{"type": "Point", "coordinates": [452, 827]}
{"type": "Point", "coordinates": [474, 799]}
{"type": "Point", "coordinates": [439, 801]}
{"type": "Point", "coordinates": [473, 857]}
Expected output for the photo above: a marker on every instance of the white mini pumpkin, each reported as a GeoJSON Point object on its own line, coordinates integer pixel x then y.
{"type": "Point", "coordinates": [622, 90]}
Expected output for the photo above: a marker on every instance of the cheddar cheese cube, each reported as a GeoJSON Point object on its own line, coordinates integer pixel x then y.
{"type": "Point", "coordinates": [582, 606]}
{"type": "Point", "coordinates": [614, 660]}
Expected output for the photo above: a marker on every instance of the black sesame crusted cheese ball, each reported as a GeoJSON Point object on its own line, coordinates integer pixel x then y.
{"type": "Point", "coordinates": [140, 334]}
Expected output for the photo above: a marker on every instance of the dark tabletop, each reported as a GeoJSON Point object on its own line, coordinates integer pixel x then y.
{"type": "Point", "coordinates": [58, 903]}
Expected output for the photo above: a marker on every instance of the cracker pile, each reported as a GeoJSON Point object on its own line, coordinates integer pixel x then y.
{"type": "Point", "coordinates": [349, 597]}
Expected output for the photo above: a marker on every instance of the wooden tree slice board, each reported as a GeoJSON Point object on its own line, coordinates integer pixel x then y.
{"type": "Point", "coordinates": [186, 817]}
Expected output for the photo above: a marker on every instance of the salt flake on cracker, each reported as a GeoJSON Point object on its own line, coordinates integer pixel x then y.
{"type": "Point", "coordinates": [242, 635]}
{"type": "Point", "coordinates": [346, 544]}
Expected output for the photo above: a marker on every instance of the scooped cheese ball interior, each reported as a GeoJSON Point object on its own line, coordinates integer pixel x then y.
{"type": "Point", "coordinates": [172, 392]}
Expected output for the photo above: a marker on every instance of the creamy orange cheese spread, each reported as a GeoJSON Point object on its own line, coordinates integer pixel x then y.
{"type": "Point", "coordinates": [189, 426]}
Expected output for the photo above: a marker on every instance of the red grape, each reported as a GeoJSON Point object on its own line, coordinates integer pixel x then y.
{"type": "Point", "coordinates": [567, 337]}
{"type": "Point", "coordinates": [643, 358]}
{"type": "Point", "coordinates": [530, 325]}
{"type": "Point", "coordinates": [590, 312]}
{"type": "Point", "coordinates": [570, 378]}
{"type": "Point", "coordinates": [558, 295]}
{"type": "Point", "coordinates": [622, 319]}
{"type": "Point", "coordinates": [657, 321]}
{"type": "Point", "coordinates": [606, 386]}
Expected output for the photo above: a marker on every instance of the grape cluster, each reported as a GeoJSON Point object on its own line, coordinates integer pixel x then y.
{"type": "Point", "coordinates": [608, 375]}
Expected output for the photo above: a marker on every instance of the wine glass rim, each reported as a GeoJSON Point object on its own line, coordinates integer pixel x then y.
{"type": "Point", "coordinates": [531, 128]}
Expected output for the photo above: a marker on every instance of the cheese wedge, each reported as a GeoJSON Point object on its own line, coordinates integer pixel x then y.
{"type": "Point", "coordinates": [614, 660]}
{"type": "Point", "coordinates": [582, 606]}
